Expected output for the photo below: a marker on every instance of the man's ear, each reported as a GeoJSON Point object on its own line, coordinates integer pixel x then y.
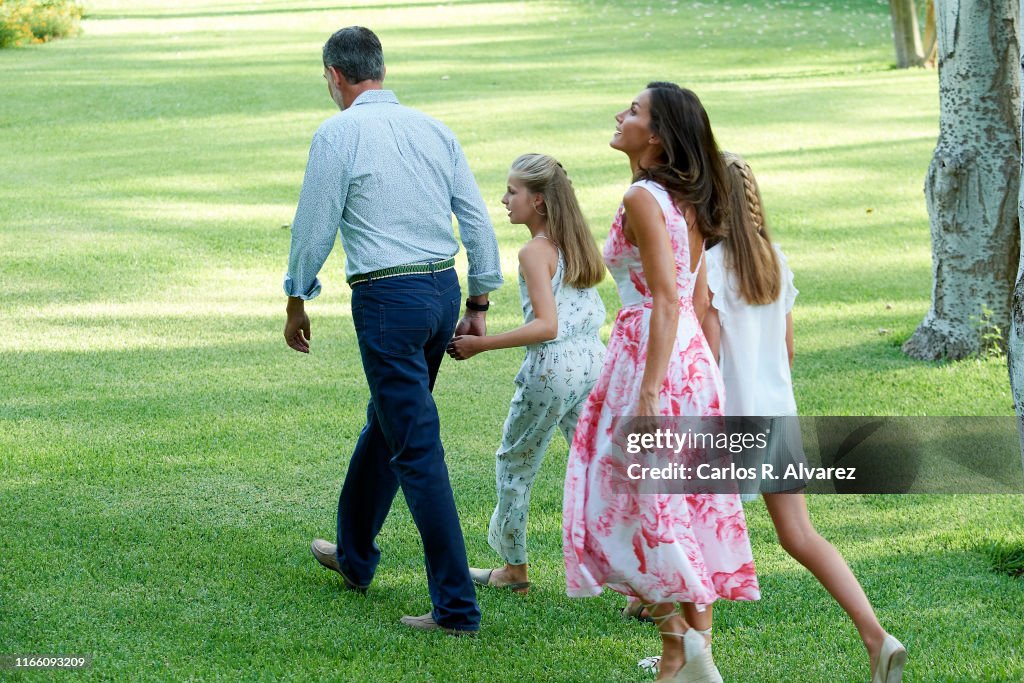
{"type": "Point", "coordinates": [336, 75]}
{"type": "Point", "coordinates": [384, 73]}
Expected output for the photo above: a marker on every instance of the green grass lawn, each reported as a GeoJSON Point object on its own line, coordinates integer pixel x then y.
{"type": "Point", "coordinates": [165, 459]}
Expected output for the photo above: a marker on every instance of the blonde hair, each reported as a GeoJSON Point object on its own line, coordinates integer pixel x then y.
{"type": "Point", "coordinates": [748, 244]}
{"type": "Point", "coordinates": [567, 227]}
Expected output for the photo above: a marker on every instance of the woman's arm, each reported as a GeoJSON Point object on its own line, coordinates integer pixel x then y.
{"type": "Point", "coordinates": [648, 227]}
{"type": "Point", "coordinates": [789, 338]}
{"type": "Point", "coordinates": [538, 261]}
{"type": "Point", "coordinates": [712, 326]}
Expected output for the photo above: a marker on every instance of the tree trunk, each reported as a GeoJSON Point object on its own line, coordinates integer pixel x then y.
{"type": "Point", "coordinates": [1015, 348]}
{"type": "Point", "coordinates": [973, 180]}
{"type": "Point", "coordinates": [931, 44]}
{"type": "Point", "coordinates": [905, 34]}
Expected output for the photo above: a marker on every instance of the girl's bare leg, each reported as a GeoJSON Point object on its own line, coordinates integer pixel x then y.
{"type": "Point", "coordinates": [803, 543]}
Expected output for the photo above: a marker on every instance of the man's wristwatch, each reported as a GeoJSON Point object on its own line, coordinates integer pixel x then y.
{"type": "Point", "coordinates": [472, 306]}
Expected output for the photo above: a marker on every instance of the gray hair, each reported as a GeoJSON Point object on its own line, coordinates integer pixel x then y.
{"type": "Point", "coordinates": [356, 52]}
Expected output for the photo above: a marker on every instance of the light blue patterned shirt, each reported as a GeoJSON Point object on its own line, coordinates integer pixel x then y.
{"type": "Point", "coordinates": [389, 178]}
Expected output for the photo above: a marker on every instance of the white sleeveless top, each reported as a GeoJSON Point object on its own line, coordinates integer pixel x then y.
{"type": "Point", "coordinates": [753, 358]}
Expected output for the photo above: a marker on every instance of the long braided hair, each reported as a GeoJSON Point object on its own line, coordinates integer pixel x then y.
{"type": "Point", "coordinates": [690, 168]}
{"type": "Point", "coordinates": [748, 244]}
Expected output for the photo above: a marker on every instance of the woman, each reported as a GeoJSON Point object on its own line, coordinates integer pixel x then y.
{"type": "Point", "coordinates": [660, 548]}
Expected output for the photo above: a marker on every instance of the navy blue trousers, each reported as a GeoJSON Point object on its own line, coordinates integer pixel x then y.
{"type": "Point", "coordinates": [403, 325]}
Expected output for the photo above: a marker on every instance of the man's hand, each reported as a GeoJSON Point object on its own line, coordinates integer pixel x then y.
{"type": "Point", "coordinates": [466, 346]}
{"type": "Point", "coordinates": [296, 328]}
{"type": "Point", "coordinates": [474, 323]}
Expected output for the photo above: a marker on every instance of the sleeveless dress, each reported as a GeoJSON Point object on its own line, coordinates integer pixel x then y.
{"type": "Point", "coordinates": [554, 380]}
{"type": "Point", "coordinates": [657, 546]}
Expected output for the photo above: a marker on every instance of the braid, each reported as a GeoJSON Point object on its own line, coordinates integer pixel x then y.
{"type": "Point", "coordinates": [750, 192]}
{"type": "Point", "coordinates": [748, 242]}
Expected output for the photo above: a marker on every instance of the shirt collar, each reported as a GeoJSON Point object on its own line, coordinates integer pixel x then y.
{"type": "Point", "coordinates": [375, 97]}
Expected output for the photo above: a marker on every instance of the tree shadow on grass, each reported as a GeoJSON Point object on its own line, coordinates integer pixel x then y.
{"type": "Point", "coordinates": [247, 10]}
{"type": "Point", "coordinates": [184, 492]}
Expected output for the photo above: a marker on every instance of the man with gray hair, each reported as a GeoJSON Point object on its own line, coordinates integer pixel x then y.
{"type": "Point", "coordinates": [389, 178]}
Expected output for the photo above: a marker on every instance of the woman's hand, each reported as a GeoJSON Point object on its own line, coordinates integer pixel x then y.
{"type": "Point", "coordinates": [646, 422]}
{"type": "Point", "coordinates": [465, 346]}
{"type": "Point", "coordinates": [648, 406]}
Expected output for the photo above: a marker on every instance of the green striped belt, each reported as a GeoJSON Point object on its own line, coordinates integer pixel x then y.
{"type": "Point", "coordinates": [395, 271]}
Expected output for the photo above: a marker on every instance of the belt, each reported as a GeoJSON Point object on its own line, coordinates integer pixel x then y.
{"type": "Point", "coordinates": [395, 271]}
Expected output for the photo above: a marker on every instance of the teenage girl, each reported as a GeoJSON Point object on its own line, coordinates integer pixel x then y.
{"type": "Point", "coordinates": [559, 268]}
{"type": "Point", "coordinates": [749, 326]}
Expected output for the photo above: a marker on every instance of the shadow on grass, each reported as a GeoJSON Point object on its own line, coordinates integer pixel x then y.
{"type": "Point", "coordinates": [249, 11]}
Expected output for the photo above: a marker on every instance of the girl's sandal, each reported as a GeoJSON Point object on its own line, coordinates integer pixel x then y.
{"type": "Point", "coordinates": [650, 665]}
{"type": "Point", "coordinates": [482, 577]}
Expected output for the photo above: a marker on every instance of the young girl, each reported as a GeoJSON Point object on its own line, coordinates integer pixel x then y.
{"type": "Point", "coordinates": [749, 326]}
{"type": "Point", "coordinates": [558, 270]}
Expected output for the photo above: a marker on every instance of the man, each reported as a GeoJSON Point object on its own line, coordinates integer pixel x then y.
{"type": "Point", "coordinates": [390, 178]}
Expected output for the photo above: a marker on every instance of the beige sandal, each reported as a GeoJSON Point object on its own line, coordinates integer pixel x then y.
{"type": "Point", "coordinates": [482, 577]}
{"type": "Point", "coordinates": [891, 660]}
{"type": "Point", "coordinates": [699, 666]}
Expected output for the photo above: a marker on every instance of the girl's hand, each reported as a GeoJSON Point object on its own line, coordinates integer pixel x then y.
{"type": "Point", "coordinates": [465, 346]}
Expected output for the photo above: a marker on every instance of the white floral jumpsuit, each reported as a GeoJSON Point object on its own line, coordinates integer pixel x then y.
{"type": "Point", "coordinates": [551, 386]}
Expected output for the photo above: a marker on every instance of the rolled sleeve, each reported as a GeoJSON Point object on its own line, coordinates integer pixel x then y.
{"type": "Point", "coordinates": [475, 229]}
{"type": "Point", "coordinates": [317, 218]}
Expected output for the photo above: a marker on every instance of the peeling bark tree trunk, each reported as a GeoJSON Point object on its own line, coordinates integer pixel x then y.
{"type": "Point", "coordinates": [973, 180]}
{"type": "Point", "coordinates": [905, 34]}
{"type": "Point", "coordinates": [1015, 348]}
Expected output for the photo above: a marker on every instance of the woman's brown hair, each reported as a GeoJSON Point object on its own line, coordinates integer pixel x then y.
{"type": "Point", "coordinates": [690, 167]}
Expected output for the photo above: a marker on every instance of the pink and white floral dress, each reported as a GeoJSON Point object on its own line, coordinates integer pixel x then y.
{"type": "Point", "coordinates": [658, 546]}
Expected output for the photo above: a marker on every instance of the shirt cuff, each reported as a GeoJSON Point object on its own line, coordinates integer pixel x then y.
{"type": "Point", "coordinates": [483, 283]}
{"type": "Point", "coordinates": [291, 288]}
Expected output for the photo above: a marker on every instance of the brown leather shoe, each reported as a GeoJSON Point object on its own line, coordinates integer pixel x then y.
{"type": "Point", "coordinates": [326, 553]}
{"type": "Point", "coordinates": [427, 623]}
